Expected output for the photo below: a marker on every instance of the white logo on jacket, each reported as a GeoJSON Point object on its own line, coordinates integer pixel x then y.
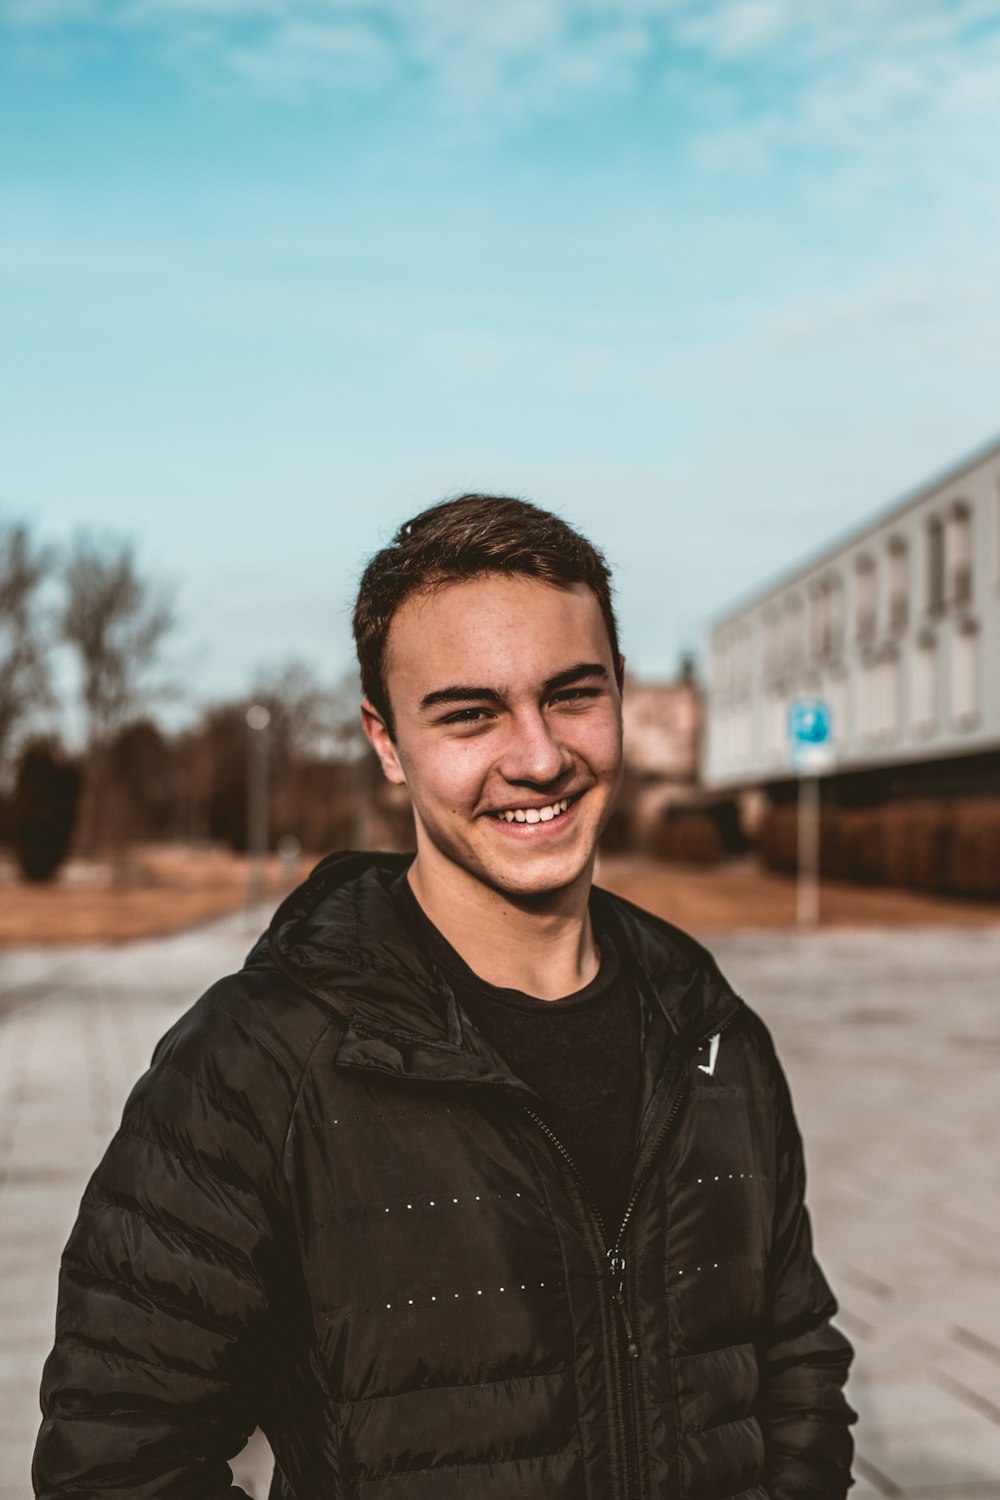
{"type": "Point", "coordinates": [713, 1052]}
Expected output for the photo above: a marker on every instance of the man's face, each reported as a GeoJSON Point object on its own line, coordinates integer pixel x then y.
{"type": "Point", "coordinates": [508, 730]}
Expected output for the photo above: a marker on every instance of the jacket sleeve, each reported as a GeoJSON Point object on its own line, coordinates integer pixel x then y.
{"type": "Point", "coordinates": [157, 1372]}
{"type": "Point", "coordinates": [804, 1358]}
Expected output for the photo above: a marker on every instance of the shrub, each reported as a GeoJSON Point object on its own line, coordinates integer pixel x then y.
{"type": "Point", "coordinates": [44, 809]}
{"type": "Point", "coordinates": [777, 839]}
{"type": "Point", "coordinates": [923, 845]}
{"type": "Point", "coordinates": [691, 835]}
{"type": "Point", "coordinates": [972, 857]}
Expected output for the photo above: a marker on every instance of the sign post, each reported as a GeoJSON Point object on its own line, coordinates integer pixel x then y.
{"type": "Point", "coordinates": [807, 890]}
{"type": "Point", "coordinates": [810, 753]}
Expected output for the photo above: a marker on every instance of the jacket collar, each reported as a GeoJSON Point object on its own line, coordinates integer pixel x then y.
{"type": "Point", "coordinates": [339, 937]}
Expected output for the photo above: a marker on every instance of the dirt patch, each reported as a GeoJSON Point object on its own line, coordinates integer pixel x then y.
{"type": "Point", "coordinates": [157, 889]}
{"type": "Point", "coordinates": [165, 889]}
{"type": "Point", "coordinates": [741, 896]}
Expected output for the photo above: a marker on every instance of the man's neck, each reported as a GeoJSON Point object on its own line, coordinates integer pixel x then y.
{"type": "Point", "coordinates": [545, 949]}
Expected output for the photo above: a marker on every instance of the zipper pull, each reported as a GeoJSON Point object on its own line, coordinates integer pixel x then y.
{"type": "Point", "coordinates": [616, 1269]}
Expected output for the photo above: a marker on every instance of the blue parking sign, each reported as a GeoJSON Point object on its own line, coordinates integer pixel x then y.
{"type": "Point", "coordinates": [809, 722]}
{"type": "Point", "coordinates": [810, 736]}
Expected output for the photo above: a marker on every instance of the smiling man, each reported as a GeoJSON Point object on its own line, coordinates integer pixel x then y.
{"type": "Point", "coordinates": [475, 1181]}
{"type": "Point", "coordinates": [506, 727]}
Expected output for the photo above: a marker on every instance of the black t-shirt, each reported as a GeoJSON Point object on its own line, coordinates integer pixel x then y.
{"type": "Point", "coordinates": [581, 1054]}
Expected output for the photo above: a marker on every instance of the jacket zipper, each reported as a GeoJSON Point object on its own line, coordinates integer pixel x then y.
{"type": "Point", "coordinates": [615, 1256]}
{"type": "Point", "coordinates": [623, 1404]}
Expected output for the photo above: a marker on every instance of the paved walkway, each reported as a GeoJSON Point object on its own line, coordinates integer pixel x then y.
{"type": "Point", "coordinates": [892, 1045]}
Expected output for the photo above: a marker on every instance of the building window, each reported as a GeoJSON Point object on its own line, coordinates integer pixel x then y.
{"type": "Point", "coordinates": [878, 697]}
{"type": "Point", "coordinates": [958, 554]}
{"type": "Point", "coordinates": [775, 727]}
{"type": "Point", "coordinates": [935, 566]}
{"type": "Point", "coordinates": [865, 585]}
{"type": "Point", "coordinates": [794, 627]}
{"type": "Point", "coordinates": [835, 613]}
{"type": "Point", "coordinates": [827, 618]}
{"type": "Point", "coordinates": [923, 695]}
{"type": "Point", "coordinates": [743, 733]}
{"type": "Point", "coordinates": [818, 645]}
{"type": "Point", "coordinates": [744, 685]}
{"type": "Point", "coordinates": [867, 698]}
{"type": "Point", "coordinates": [723, 668]}
{"type": "Point", "coordinates": [898, 559]}
{"type": "Point", "coordinates": [965, 675]}
{"type": "Point", "coordinates": [835, 694]}
{"type": "Point", "coordinates": [772, 645]}
{"type": "Point", "coordinates": [887, 696]}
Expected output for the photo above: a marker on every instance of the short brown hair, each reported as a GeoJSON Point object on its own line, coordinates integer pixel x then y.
{"type": "Point", "coordinates": [465, 538]}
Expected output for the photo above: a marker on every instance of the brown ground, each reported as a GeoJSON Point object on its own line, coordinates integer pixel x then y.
{"type": "Point", "coordinates": [159, 889]}
{"type": "Point", "coordinates": [164, 889]}
{"type": "Point", "coordinates": [740, 895]}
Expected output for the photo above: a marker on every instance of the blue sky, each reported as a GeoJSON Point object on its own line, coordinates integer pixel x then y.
{"type": "Point", "coordinates": [713, 278]}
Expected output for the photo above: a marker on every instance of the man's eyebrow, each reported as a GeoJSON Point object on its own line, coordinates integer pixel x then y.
{"type": "Point", "coordinates": [576, 674]}
{"type": "Point", "coordinates": [462, 693]}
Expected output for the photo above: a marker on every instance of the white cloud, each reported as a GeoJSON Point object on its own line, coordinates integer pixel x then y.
{"type": "Point", "coordinates": [39, 15]}
{"type": "Point", "coordinates": [802, 42]}
{"type": "Point", "coordinates": [735, 28]}
{"type": "Point", "coordinates": [883, 88]}
{"type": "Point", "coordinates": [304, 56]}
{"type": "Point", "coordinates": [865, 315]}
{"type": "Point", "coordinates": [164, 12]}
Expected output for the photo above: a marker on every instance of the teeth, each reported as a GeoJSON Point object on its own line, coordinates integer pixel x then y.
{"type": "Point", "coordinates": [536, 814]}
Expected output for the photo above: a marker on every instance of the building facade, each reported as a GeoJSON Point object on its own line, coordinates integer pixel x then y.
{"type": "Point", "coordinates": [896, 628]}
{"type": "Point", "coordinates": [662, 723]}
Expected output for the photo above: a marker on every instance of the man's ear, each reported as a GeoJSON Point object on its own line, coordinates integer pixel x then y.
{"type": "Point", "coordinates": [620, 671]}
{"type": "Point", "coordinates": [380, 740]}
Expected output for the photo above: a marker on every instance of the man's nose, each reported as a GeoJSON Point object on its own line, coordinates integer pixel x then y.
{"type": "Point", "coordinates": [533, 753]}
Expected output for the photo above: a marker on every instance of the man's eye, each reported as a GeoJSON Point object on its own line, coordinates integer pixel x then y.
{"type": "Point", "coordinates": [575, 695]}
{"type": "Point", "coordinates": [467, 716]}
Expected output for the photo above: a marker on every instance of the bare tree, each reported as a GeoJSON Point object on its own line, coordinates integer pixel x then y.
{"type": "Point", "coordinates": [24, 677]}
{"type": "Point", "coordinates": [300, 707]}
{"type": "Point", "coordinates": [115, 621]}
{"type": "Point", "coordinates": [316, 731]}
{"type": "Point", "coordinates": [309, 720]}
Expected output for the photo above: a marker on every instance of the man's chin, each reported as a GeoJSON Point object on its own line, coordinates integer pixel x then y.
{"type": "Point", "coordinates": [537, 880]}
{"type": "Point", "coordinates": [522, 874]}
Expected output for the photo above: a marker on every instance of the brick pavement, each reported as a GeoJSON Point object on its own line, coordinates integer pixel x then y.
{"type": "Point", "coordinates": [892, 1045]}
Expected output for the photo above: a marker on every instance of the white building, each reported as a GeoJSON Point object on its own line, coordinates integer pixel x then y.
{"type": "Point", "coordinates": [897, 627]}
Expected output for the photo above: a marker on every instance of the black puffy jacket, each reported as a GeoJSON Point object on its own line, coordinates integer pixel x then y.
{"type": "Point", "coordinates": [332, 1211]}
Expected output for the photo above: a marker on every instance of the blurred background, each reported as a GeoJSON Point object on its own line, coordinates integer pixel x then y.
{"type": "Point", "coordinates": [714, 279]}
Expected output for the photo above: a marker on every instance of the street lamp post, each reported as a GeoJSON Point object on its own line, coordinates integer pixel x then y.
{"type": "Point", "coordinates": [258, 752]}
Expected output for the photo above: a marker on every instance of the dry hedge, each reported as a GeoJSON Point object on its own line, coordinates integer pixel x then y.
{"type": "Point", "coordinates": [928, 845]}
{"type": "Point", "coordinates": [694, 837]}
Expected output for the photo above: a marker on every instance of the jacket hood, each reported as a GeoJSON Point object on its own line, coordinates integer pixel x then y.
{"type": "Point", "coordinates": [339, 936]}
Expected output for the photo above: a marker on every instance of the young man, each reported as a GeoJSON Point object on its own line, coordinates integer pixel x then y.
{"type": "Point", "coordinates": [476, 1181]}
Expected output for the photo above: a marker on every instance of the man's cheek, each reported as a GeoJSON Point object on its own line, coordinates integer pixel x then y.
{"type": "Point", "coordinates": [602, 748]}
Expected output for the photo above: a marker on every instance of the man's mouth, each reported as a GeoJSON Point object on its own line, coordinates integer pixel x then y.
{"type": "Point", "coordinates": [546, 814]}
